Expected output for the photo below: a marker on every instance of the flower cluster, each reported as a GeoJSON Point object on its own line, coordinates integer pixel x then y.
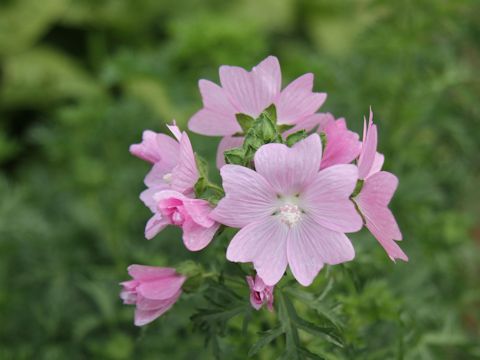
{"type": "Point", "coordinates": [295, 181]}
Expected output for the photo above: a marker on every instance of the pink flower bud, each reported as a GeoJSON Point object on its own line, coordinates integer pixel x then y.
{"type": "Point", "coordinates": [153, 290]}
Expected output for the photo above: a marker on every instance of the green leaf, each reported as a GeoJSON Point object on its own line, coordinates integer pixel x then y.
{"type": "Point", "coordinates": [327, 332]}
{"type": "Point", "coordinates": [358, 188]}
{"type": "Point", "coordinates": [267, 338]}
{"type": "Point", "coordinates": [244, 121]}
{"type": "Point", "coordinates": [292, 139]}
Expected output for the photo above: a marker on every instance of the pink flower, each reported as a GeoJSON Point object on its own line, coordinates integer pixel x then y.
{"type": "Point", "coordinates": [376, 193]}
{"type": "Point", "coordinates": [342, 144]}
{"type": "Point", "coordinates": [260, 293]}
{"type": "Point", "coordinates": [153, 290]}
{"type": "Point", "coordinates": [250, 93]}
{"type": "Point", "coordinates": [289, 212]}
{"type": "Point", "coordinates": [175, 166]}
{"type": "Point", "coordinates": [191, 215]}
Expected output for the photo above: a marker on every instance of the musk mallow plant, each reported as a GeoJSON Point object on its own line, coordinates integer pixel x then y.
{"type": "Point", "coordinates": [295, 183]}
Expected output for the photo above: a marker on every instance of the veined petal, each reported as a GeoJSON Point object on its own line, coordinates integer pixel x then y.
{"type": "Point", "coordinates": [214, 98]}
{"type": "Point", "coordinates": [311, 122]}
{"type": "Point", "coordinates": [379, 188]}
{"type": "Point", "coordinates": [156, 224]}
{"type": "Point", "coordinates": [199, 210]}
{"type": "Point", "coordinates": [373, 202]}
{"type": "Point", "coordinates": [227, 143]}
{"type": "Point", "coordinates": [211, 123]}
{"type": "Point", "coordinates": [248, 197]}
{"type": "Point", "coordinates": [327, 200]}
{"type": "Point", "coordinates": [158, 175]}
{"type": "Point", "coordinates": [297, 100]}
{"type": "Point", "coordinates": [144, 272]}
{"type": "Point", "coordinates": [162, 289]}
{"type": "Point", "coordinates": [377, 164]}
{"type": "Point", "coordinates": [310, 245]}
{"type": "Point", "coordinates": [289, 170]}
{"type": "Point", "coordinates": [143, 317]}
{"type": "Point", "coordinates": [251, 92]}
{"type": "Point", "coordinates": [197, 237]}
{"type": "Point", "coordinates": [342, 144]}
{"type": "Point", "coordinates": [185, 174]}
{"type": "Point", "coordinates": [369, 149]}
{"type": "Point", "coordinates": [264, 244]}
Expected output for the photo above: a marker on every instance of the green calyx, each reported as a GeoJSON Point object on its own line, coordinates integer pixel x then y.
{"type": "Point", "coordinates": [257, 132]}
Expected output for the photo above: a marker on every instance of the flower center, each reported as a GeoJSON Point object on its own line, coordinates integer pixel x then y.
{"type": "Point", "coordinates": [290, 214]}
{"type": "Point", "coordinates": [177, 218]}
{"type": "Point", "coordinates": [167, 178]}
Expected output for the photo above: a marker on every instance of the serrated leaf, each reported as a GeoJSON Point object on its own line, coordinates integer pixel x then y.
{"type": "Point", "coordinates": [326, 332]}
{"type": "Point", "coordinates": [267, 338]}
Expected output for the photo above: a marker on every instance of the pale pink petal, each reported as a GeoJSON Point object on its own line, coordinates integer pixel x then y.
{"type": "Point", "coordinates": [373, 200]}
{"type": "Point", "coordinates": [147, 196]}
{"type": "Point", "coordinates": [161, 289]}
{"type": "Point", "coordinates": [310, 245]}
{"type": "Point", "coordinates": [175, 131]}
{"type": "Point", "coordinates": [251, 92]}
{"type": "Point", "coordinates": [297, 100]}
{"type": "Point", "coordinates": [264, 244]}
{"type": "Point", "coordinates": [185, 174]}
{"type": "Point", "coordinates": [156, 147]}
{"type": "Point", "coordinates": [267, 80]}
{"type": "Point", "coordinates": [289, 170]}
{"type": "Point", "coordinates": [377, 164]}
{"type": "Point", "coordinates": [215, 99]}
{"type": "Point", "coordinates": [342, 144]}
{"type": "Point", "coordinates": [169, 198]}
{"type": "Point", "coordinates": [143, 272]}
{"type": "Point", "coordinates": [326, 199]}
{"type": "Point", "coordinates": [199, 210]}
{"type": "Point", "coordinates": [156, 224]}
{"type": "Point", "coordinates": [209, 122]}
{"type": "Point", "coordinates": [379, 189]}
{"type": "Point", "coordinates": [227, 143]}
{"type": "Point", "coordinates": [312, 122]}
{"type": "Point", "coordinates": [159, 175]}
{"type": "Point", "coordinates": [145, 304]}
{"type": "Point", "coordinates": [248, 198]}
{"type": "Point", "coordinates": [143, 317]}
{"type": "Point", "coordinates": [197, 237]}
{"type": "Point", "coordinates": [369, 149]}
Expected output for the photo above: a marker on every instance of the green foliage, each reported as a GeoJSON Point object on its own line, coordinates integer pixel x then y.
{"type": "Point", "coordinates": [81, 79]}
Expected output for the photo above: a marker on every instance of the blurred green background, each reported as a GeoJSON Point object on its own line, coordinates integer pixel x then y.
{"type": "Point", "coordinates": [81, 79]}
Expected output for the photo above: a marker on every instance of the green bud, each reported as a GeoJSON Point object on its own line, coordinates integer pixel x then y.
{"type": "Point", "coordinates": [235, 156]}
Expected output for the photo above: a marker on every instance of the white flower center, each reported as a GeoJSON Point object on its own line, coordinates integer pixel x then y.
{"type": "Point", "coordinates": [290, 214]}
{"type": "Point", "coordinates": [167, 178]}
